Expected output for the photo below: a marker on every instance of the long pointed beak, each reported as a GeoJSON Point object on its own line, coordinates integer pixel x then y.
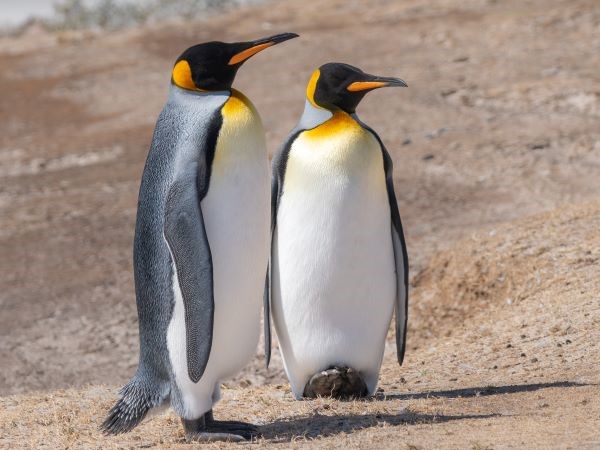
{"type": "Point", "coordinates": [259, 45]}
{"type": "Point", "coordinates": [375, 82]}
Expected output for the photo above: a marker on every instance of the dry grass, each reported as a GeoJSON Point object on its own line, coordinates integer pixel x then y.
{"type": "Point", "coordinates": [493, 138]}
{"type": "Point", "coordinates": [493, 374]}
{"type": "Point", "coordinates": [515, 418]}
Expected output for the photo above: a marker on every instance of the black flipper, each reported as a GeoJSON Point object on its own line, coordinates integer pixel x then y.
{"type": "Point", "coordinates": [186, 235]}
{"type": "Point", "coordinates": [400, 253]}
{"type": "Point", "coordinates": [267, 315]}
{"type": "Point", "coordinates": [279, 164]}
{"type": "Point", "coordinates": [401, 259]}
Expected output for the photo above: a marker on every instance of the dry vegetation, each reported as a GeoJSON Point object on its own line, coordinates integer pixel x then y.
{"type": "Point", "coordinates": [111, 14]}
{"type": "Point", "coordinates": [497, 153]}
{"type": "Point", "coordinates": [504, 365]}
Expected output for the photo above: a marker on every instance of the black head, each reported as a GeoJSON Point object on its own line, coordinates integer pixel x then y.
{"type": "Point", "coordinates": [342, 86]}
{"type": "Point", "coordinates": [212, 66]}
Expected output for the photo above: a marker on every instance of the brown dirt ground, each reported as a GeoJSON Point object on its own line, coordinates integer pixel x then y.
{"type": "Point", "coordinates": [500, 123]}
{"type": "Point", "coordinates": [511, 361]}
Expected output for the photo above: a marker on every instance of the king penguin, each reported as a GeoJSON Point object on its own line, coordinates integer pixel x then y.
{"type": "Point", "coordinates": [338, 265]}
{"type": "Point", "coordinates": [201, 244]}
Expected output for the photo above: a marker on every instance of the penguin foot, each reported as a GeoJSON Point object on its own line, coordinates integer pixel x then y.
{"type": "Point", "coordinates": [207, 429]}
{"type": "Point", "coordinates": [245, 430]}
{"type": "Point", "coordinates": [213, 437]}
{"type": "Point", "coordinates": [336, 382]}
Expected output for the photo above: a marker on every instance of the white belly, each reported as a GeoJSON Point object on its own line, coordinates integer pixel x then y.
{"type": "Point", "coordinates": [236, 213]}
{"type": "Point", "coordinates": [333, 262]}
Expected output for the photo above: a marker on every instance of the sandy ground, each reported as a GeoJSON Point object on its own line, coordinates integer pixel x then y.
{"type": "Point", "coordinates": [499, 124]}
{"type": "Point", "coordinates": [512, 362]}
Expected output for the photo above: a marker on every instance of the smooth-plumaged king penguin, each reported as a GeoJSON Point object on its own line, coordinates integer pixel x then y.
{"type": "Point", "coordinates": [338, 265]}
{"type": "Point", "coordinates": [201, 244]}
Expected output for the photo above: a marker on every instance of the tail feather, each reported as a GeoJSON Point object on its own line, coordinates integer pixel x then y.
{"type": "Point", "coordinates": [137, 398]}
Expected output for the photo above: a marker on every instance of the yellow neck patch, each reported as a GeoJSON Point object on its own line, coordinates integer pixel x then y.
{"type": "Point", "coordinates": [312, 85]}
{"type": "Point", "coordinates": [340, 123]}
{"type": "Point", "coordinates": [238, 108]}
{"type": "Point", "coordinates": [182, 76]}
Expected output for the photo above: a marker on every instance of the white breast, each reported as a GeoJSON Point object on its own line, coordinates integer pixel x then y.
{"type": "Point", "coordinates": [333, 265]}
{"type": "Point", "coordinates": [237, 217]}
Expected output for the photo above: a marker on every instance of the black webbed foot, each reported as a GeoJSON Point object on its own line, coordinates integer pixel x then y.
{"type": "Point", "coordinates": [207, 429]}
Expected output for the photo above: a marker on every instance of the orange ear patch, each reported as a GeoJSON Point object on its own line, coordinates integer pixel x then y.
{"type": "Point", "coordinates": [182, 75]}
{"type": "Point", "coordinates": [244, 55]}
{"type": "Point", "coordinates": [364, 85]}
{"type": "Point", "coordinates": [312, 85]}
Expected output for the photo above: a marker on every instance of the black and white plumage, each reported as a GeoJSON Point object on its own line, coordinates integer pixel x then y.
{"type": "Point", "coordinates": [201, 244]}
{"type": "Point", "coordinates": [339, 266]}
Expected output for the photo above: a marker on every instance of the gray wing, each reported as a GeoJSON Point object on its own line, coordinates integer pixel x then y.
{"type": "Point", "coordinates": [278, 167]}
{"type": "Point", "coordinates": [186, 235]}
{"type": "Point", "coordinates": [400, 253]}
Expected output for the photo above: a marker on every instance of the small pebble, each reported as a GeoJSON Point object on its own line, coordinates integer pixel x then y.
{"type": "Point", "coordinates": [539, 145]}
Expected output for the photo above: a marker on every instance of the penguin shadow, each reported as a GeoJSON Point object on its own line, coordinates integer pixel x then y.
{"type": "Point", "coordinates": [288, 429]}
{"type": "Point", "coordinates": [477, 391]}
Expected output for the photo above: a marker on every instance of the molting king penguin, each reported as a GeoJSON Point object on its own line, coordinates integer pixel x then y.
{"type": "Point", "coordinates": [201, 244]}
{"type": "Point", "coordinates": [338, 265]}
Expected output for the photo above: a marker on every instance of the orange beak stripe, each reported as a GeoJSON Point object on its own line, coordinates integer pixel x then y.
{"type": "Point", "coordinates": [244, 55]}
{"type": "Point", "coordinates": [364, 85]}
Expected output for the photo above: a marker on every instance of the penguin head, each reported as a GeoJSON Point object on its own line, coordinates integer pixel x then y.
{"type": "Point", "coordinates": [212, 66]}
{"type": "Point", "coordinates": [336, 86]}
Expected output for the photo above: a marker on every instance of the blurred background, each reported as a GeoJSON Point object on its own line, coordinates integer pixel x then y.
{"type": "Point", "coordinates": [496, 146]}
{"type": "Point", "coordinates": [106, 14]}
